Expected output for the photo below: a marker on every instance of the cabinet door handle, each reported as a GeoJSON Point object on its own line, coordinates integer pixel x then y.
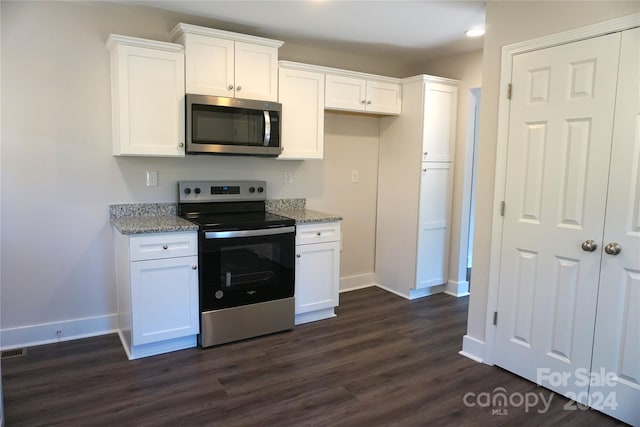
{"type": "Point", "coordinates": [230, 87]}
{"type": "Point", "coordinates": [363, 102]}
{"type": "Point", "coordinates": [181, 145]}
{"type": "Point", "coordinates": [165, 247]}
{"type": "Point", "coordinates": [194, 267]}
{"type": "Point", "coordinates": [318, 234]}
{"type": "Point", "coordinates": [238, 88]}
{"type": "Point", "coordinates": [425, 153]}
{"type": "Point", "coordinates": [368, 102]}
{"type": "Point", "coordinates": [297, 255]}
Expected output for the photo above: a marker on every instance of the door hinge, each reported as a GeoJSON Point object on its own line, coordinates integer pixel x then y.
{"type": "Point", "coordinates": [495, 317]}
{"type": "Point", "coordinates": [509, 88]}
{"type": "Point", "coordinates": [502, 207]}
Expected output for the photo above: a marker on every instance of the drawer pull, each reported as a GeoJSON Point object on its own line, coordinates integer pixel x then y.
{"type": "Point", "coordinates": [165, 247]}
{"type": "Point", "coordinates": [297, 255]}
{"type": "Point", "coordinates": [194, 267]}
{"type": "Point", "coordinates": [318, 234]}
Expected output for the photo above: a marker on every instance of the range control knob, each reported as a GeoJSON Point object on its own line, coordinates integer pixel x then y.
{"type": "Point", "coordinates": [252, 189]}
{"type": "Point", "coordinates": [187, 190]}
{"type": "Point", "coordinates": [197, 190]}
{"type": "Point", "coordinates": [260, 189]}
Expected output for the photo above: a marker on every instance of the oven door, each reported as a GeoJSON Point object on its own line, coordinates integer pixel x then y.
{"type": "Point", "coordinates": [246, 266]}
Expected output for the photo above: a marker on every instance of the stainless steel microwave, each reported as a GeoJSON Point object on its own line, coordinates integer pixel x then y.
{"type": "Point", "coordinates": [219, 125]}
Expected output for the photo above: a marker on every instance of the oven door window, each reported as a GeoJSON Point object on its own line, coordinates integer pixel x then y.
{"type": "Point", "coordinates": [234, 126]}
{"type": "Point", "coordinates": [246, 270]}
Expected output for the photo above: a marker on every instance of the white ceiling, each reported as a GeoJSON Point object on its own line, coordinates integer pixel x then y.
{"type": "Point", "coordinates": [401, 29]}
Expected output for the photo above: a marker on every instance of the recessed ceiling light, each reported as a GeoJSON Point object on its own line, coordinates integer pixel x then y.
{"type": "Point", "coordinates": [475, 32]}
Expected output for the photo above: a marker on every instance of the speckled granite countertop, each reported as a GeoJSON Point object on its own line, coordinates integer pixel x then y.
{"type": "Point", "coordinates": [141, 218]}
{"type": "Point", "coordinates": [296, 209]}
{"type": "Point", "coordinates": [306, 216]}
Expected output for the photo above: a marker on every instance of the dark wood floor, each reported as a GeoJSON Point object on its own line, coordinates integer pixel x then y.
{"type": "Point", "coordinates": [382, 361]}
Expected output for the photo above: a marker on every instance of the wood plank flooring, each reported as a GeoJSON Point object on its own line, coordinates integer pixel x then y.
{"type": "Point", "coordinates": [383, 361]}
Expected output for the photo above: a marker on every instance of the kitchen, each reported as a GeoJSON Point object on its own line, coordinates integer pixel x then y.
{"type": "Point", "coordinates": [62, 169]}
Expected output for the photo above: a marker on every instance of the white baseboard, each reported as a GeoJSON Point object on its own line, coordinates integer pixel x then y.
{"type": "Point", "coordinates": [393, 291]}
{"type": "Point", "coordinates": [425, 292]}
{"type": "Point", "coordinates": [457, 289]}
{"type": "Point", "coordinates": [472, 348]}
{"type": "Point", "coordinates": [314, 316]}
{"type": "Point", "coordinates": [359, 281]}
{"type": "Point", "coordinates": [415, 293]}
{"type": "Point", "coordinates": [46, 333]}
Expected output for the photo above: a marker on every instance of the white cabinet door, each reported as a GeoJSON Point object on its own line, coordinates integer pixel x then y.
{"type": "Point", "coordinates": [440, 103]}
{"type": "Point", "coordinates": [148, 101]}
{"type": "Point", "coordinates": [561, 121]}
{"type": "Point", "coordinates": [616, 347]}
{"type": "Point", "coordinates": [256, 72]}
{"type": "Point", "coordinates": [317, 276]}
{"type": "Point", "coordinates": [433, 234]}
{"type": "Point", "coordinates": [164, 299]}
{"type": "Point", "coordinates": [361, 94]}
{"type": "Point", "coordinates": [383, 97]}
{"type": "Point", "coordinates": [209, 65]}
{"type": "Point", "coordinates": [301, 94]}
{"type": "Point", "coordinates": [345, 93]}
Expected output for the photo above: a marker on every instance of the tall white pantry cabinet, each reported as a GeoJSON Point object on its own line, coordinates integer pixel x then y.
{"type": "Point", "coordinates": [415, 187]}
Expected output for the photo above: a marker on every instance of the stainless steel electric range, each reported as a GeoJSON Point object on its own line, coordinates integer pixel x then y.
{"type": "Point", "coordinates": [246, 258]}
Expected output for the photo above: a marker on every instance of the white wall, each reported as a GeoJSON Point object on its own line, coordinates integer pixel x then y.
{"type": "Point", "coordinates": [507, 23]}
{"type": "Point", "coordinates": [58, 175]}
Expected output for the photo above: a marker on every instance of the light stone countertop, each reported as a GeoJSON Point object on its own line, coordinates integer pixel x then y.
{"type": "Point", "coordinates": [142, 218]}
{"type": "Point", "coordinates": [306, 216]}
{"type": "Point", "coordinates": [152, 224]}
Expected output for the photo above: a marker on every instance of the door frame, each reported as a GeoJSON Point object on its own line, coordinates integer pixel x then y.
{"type": "Point", "coordinates": [508, 53]}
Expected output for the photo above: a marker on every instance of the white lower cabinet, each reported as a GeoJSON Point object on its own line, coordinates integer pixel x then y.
{"type": "Point", "coordinates": [157, 284]}
{"type": "Point", "coordinates": [317, 271]}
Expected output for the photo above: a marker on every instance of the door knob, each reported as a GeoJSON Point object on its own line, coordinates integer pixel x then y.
{"type": "Point", "coordinates": [613, 248]}
{"type": "Point", "coordinates": [589, 245]}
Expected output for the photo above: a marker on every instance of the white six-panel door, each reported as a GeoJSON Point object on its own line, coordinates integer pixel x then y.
{"type": "Point", "coordinates": [556, 188]}
{"type": "Point", "coordinates": [616, 347]}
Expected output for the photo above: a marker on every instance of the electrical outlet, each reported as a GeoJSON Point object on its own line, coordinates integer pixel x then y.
{"type": "Point", "coordinates": [355, 176]}
{"type": "Point", "coordinates": [288, 178]}
{"type": "Point", "coordinates": [152, 178]}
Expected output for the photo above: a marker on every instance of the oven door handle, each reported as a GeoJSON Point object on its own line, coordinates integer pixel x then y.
{"type": "Point", "coordinates": [248, 233]}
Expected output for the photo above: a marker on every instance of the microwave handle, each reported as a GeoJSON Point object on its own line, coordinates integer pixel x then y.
{"type": "Point", "coordinates": [267, 129]}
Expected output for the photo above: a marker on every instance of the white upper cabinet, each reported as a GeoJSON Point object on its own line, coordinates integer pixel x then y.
{"type": "Point", "coordinates": [221, 63]}
{"type": "Point", "coordinates": [440, 102]}
{"type": "Point", "coordinates": [301, 93]}
{"type": "Point", "coordinates": [147, 96]}
{"type": "Point", "coordinates": [352, 91]}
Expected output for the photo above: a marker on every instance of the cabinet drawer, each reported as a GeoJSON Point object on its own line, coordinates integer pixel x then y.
{"type": "Point", "coordinates": [317, 233]}
{"type": "Point", "coordinates": [163, 245]}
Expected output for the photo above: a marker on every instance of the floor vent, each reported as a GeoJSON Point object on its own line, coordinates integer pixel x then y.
{"type": "Point", "coordinates": [10, 354]}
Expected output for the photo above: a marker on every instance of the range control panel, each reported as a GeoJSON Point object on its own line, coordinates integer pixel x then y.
{"type": "Point", "coordinates": [221, 191]}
